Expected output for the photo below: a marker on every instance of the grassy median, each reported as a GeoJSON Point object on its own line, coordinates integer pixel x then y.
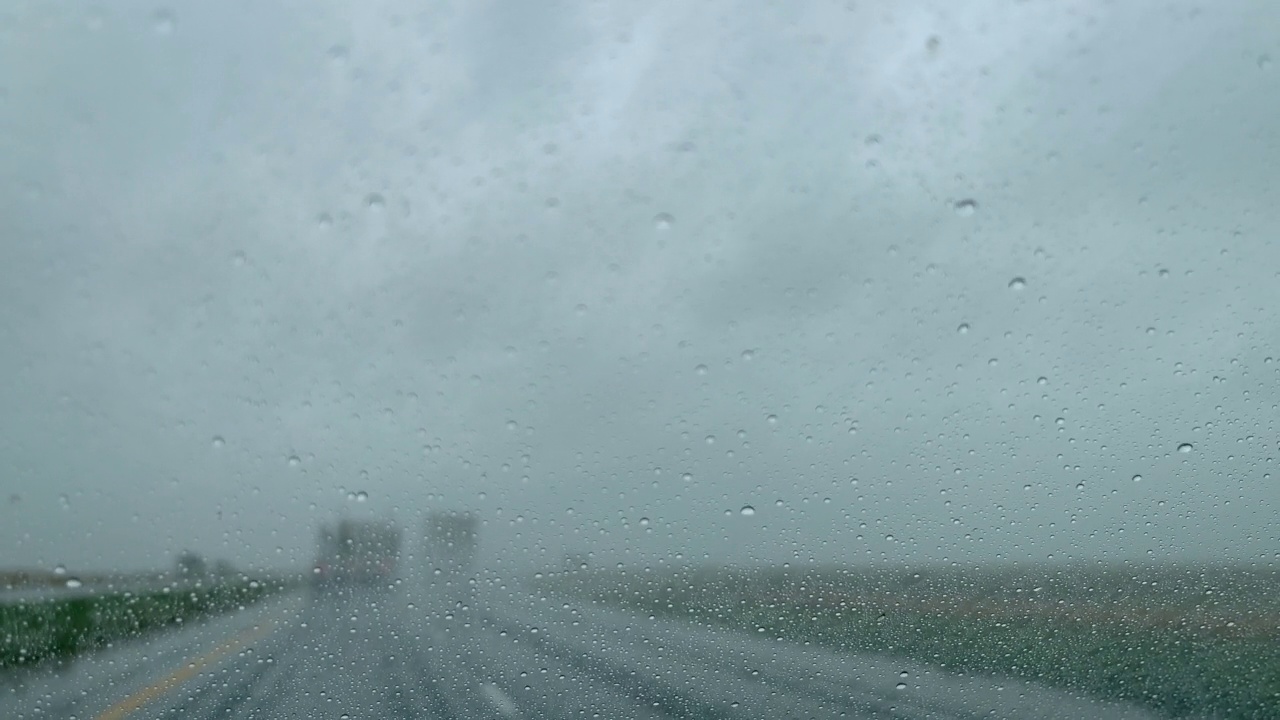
{"type": "Point", "coordinates": [1183, 642]}
{"type": "Point", "coordinates": [55, 630]}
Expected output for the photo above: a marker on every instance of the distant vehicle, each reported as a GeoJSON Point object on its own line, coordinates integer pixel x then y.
{"type": "Point", "coordinates": [450, 542]}
{"type": "Point", "coordinates": [362, 552]}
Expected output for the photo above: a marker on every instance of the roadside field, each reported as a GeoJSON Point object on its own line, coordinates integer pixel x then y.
{"type": "Point", "coordinates": [56, 630]}
{"type": "Point", "coordinates": [1183, 641]}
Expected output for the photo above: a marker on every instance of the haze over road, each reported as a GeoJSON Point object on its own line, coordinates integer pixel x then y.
{"type": "Point", "coordinates": [956, 321]}
{"type": "Point", "coordinates": [365, 653]}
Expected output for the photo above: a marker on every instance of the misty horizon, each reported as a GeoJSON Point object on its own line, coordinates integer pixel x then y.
{"type": "Point", "coordinates": [661, 283]}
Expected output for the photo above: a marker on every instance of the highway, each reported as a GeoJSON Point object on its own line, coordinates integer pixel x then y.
{"type": "Point", "coordinates": [370, 653]}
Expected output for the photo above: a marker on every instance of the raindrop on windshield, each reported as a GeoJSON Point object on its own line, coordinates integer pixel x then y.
{"type": "Point", "coordinates": [966, 207]}
{"type": "Point", "coordinates": [747, 510]}
{"type": "Point", "coordinates": [663, 221]}
{"type": "Point", "coordinates": [162, 21]}
{"type": "Point", "coordinates": [1184, 448]}
{"type": "Point", "coordinates": [1018, 283]}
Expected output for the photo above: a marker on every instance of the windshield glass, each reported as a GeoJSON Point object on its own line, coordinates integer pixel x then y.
{"type": "Point", "coordinates": [639, 359]}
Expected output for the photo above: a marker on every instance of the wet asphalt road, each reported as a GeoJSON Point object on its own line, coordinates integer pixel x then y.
{"type": "Point", "coordinates": [366, 653]}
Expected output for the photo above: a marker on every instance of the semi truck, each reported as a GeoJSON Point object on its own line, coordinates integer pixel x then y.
{"type": "Point", "coordinates": [364, 552]}
{"type": "Point", "coordinates": [450, 542]}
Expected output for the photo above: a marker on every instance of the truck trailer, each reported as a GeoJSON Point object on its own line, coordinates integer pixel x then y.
{"type": "Point", "coordinates": [364, 552]}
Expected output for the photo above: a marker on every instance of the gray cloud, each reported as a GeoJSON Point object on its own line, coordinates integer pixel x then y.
{"type": "Point", "coordinates": [529, 262]}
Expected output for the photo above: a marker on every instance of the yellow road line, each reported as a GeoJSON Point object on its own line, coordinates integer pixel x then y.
{"type": "Point", "coordinates": [176, 678]}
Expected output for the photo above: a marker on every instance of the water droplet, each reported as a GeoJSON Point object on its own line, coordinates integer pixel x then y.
{"type": "Point", "coordinates": [1042, 380]}
{"type": "Point", "coordinates": [663, 221]}
{"type": "Point", "coordinates": [60, 570]}
{"type": "Point", "coordinates": [772, 419]}
{"type": "Point", "coordinates": [748, 354]}
{"type": "Point", "coordinates": [294, 461]}
{"type": "Point", "coordinates": [711, 440]}
{"type": "Point", "coordinates": [362, 496]}
{"type": "Point", "coordinates": [963, 329]}
{"type": "Point", "coordinates": [324, 220]}
{"type": "Point", "coordinates": [889, 538]}
{"type": "Point", "coordinates": [687, 477]}
{"type": "Point", "coordinates": [644, 521]}
{"type": "Point", "coordinates": [1018, 283]}
{"type": "Point", "coordinates": [701, 369]}
{"type": "Point", "coordinates": [162, 21]}
{"type": "Point", "coordinates": [901, 686]}
{"type": "Point", "coordinates": [747, 510]}
{"type": "Point", "coordinates": [1184, 448]}
{"type": "Point", "coordinates": [1079, 486]}
{"type": "Point", "coordinates": [74, 583]}
{"type": "Point", "coordinates": [511, 425]}
{"type": "Point", "coordinates": [966, 207]}
{"type": "Point", "coordinates": [218, 441]}
{"type": "Point", "coordinates": [375, 201]}
{"type": "Point", "coordinates": [1137, 478]}
{"type": "Point", "coordinates": [580, 309]}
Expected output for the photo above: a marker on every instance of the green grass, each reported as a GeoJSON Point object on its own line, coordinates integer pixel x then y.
{"type": "Point", "coordinates": [34, 633]}
{"type": "Point", "coordinates": [1157, 643]}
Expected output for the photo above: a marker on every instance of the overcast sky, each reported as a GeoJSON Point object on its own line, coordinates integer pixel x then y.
{"type": "Point", "coordinates": [915, 281]}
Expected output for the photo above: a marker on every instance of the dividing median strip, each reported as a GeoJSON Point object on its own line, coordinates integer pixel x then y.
{"type": "Point", "coordinates": [59, 629]}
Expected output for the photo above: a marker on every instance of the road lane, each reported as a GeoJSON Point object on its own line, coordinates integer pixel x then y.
{"type": "Point", "coordinates": [368, 653]}
{"type": "Point", "coordinates": [90, 686]}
